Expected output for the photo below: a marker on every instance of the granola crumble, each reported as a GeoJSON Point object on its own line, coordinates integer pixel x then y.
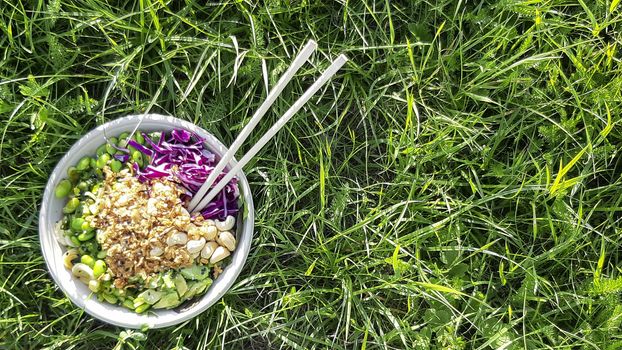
{"type": "Point", "coordinates": [136, 220]}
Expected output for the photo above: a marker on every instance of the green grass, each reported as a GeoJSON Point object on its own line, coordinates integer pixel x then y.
{"type": "Point", "coordinates": [457, 186]}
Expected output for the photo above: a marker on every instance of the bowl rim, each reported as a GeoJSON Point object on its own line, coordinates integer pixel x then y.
{"type": "Point", "coordinates": [230, 273]}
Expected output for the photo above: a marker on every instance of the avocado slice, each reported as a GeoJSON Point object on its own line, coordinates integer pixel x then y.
{"type": "Point", "coordinates": [197, 287]}
{"type": "Point", "coordinates": [167, 301]}
{"type": "Point", "coordinates": [149, 296]}
{"type": "Point", "coordinates": [168, 281]}
{"type": "Point", "coordinates": [196, 272]}
{"type": "Point", "coordinates": [180, 284]}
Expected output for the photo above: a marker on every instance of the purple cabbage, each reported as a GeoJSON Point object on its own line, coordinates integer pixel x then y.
{"type": "Point", "coordinates": [122, 157]}
{"type": "Point", "coordinates": [181, 156]}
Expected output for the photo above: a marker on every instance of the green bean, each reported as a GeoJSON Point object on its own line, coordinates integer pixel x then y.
{"type": "Point", "coordinates": [71, 205]}
{"type": "Point", "coordinates": [73, 173]}
{"type": "Point", "coordinates": [116, 165]}
{"type": "Point", "coordinates": [101, 150]}
{"type": "Point", "coordinates": [76, 224]}
{"type": "Point", "coordinates": [83, 164]}
{"type": "Point", "coordinates": [63, 188]}
{"type": "Point", "coordinates": [88, 260]}
{"type": "Point", "coordinates": [103, 160]}
{"type": "Point", "coordinates": [99, 268]}
{"type": "Point", "coordinates": [86, 235]}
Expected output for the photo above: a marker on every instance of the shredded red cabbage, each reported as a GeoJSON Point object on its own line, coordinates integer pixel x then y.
{"type": "Point", "coordinates": [122, 157]}
{"type": "Point", "coordinates": [181, 156]}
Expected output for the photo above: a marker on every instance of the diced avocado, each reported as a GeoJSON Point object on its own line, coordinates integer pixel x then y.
{"type": "Point", "coordinates": [197, 287]}
{"type": "Point", "coordinates": [149, 296]}
{"type": "Point", "coordinates": [167, 301]}
{"type": "Point", "coordinates": [180, 284]}
{"type": "Point", "coordinates": [196, 272]}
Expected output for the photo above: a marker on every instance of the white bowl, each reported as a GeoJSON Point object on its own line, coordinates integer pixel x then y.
{"type": "Point", "coordinates": [51, 212]}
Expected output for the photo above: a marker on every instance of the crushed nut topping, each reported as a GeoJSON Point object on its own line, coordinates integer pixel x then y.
{"type": "Point", "coordinates": [143, 226]}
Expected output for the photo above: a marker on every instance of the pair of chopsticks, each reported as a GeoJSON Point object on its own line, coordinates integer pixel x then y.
{"type": "Point", "coordinates": [199, 201]}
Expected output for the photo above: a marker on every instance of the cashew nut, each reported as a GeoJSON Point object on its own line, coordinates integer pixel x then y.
{"type": "Point", "coordinates": [225, 225]}
{"type": "Point", "coordinates": [227, 240]}
{"type": "Point", "coordinates": [219, 254]}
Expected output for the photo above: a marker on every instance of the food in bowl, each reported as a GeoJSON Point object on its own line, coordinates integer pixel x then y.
{"type": "Point", "coordinates": [125, 224]}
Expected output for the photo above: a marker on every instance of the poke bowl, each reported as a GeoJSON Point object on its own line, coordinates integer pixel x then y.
{"type": "Point", "coordinates": [116, 233]}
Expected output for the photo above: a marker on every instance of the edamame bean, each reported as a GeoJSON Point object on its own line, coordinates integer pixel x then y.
{"type": "Point", "coordinates": [120, 293]}
{"type": "Point", "coordinates": [76, 224]}
{"type": "Point", "coordinates": [102, 254]}
{"type": "Point", "coordinates": [99, 268]}
{"type": "Point", "coordinates": [83, 164]}
{"type": "Point", "coordinates": [142, 308]}
{"type": "Point", "coordinates": [83, 186]}
{"type": "Point", "coordinates": [138, 158]}
{"type": "Point", "coordinates": [86, 226]}
{"type": "Point", "coordinates": [63, 189]}
{"type": "Point", "coordinates": [128, 304]}
{"type": "Point", "coordinates": [116, 165]}
{"type": "Point", "coordinates": [74, 240]}
{"type": "Point", "coordinates": [101, 150]}
{"type": "Point", "coordinates": [138, 137]}
{"type": "Point", "coordinates": [109, 146]}
{"type": "Point", "coordinates": [93, 163]}
{"type": "Point", "coordinates": [71, 205]}
{"type": "Point", "coordinates": [73, 173]}
{"type": "Point", "coordinates": [110, 298]}
{"type": "Point", "coordinates": [103, 160]}
{"type": "Point", "coordinates": [86, 235]}
{"type": "Point", "coordinates": [88, 260]}
{"type": "Point", "coordinates": [123, 139]}
{"type": "Point", "coordinates": [90, 247]}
